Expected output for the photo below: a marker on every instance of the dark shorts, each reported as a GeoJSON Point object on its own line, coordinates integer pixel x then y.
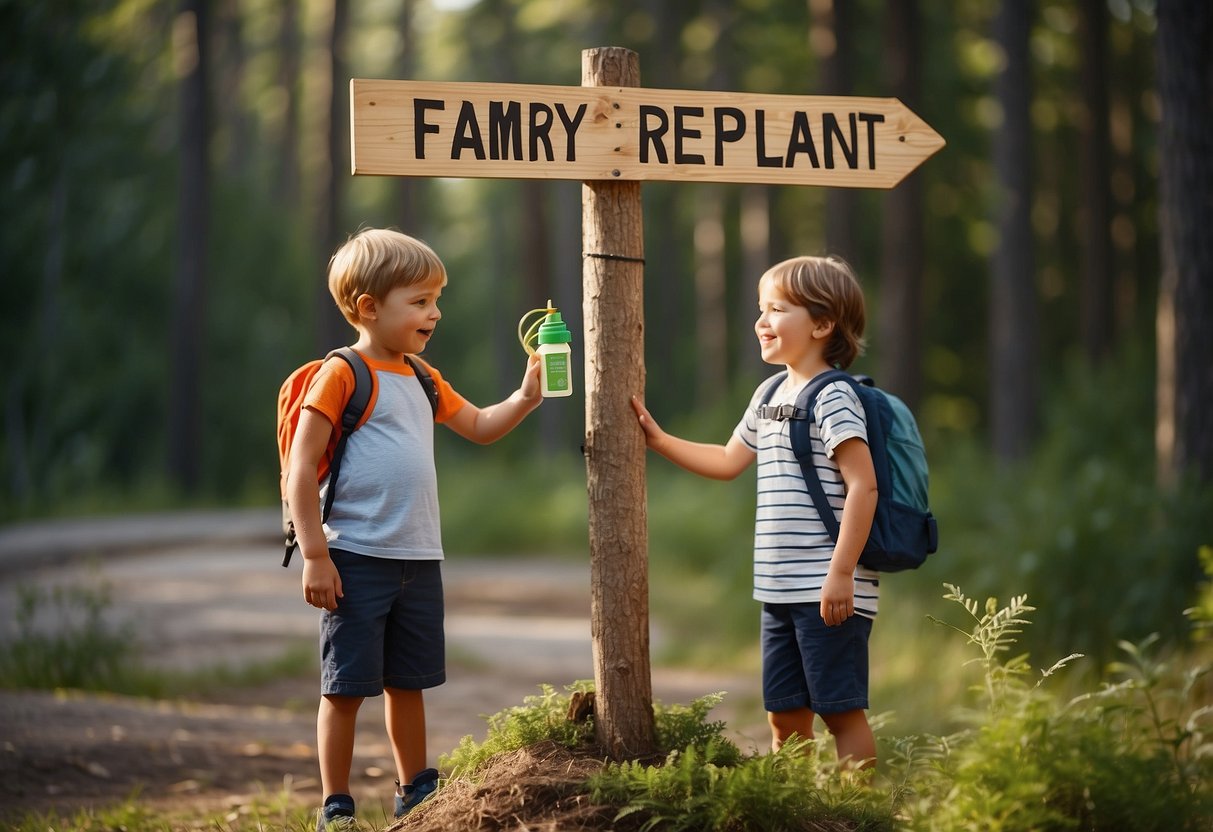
{"type": "Point", "coordinates": [387, 628]}
{"type": "Point", "coordinates": [806, 664]}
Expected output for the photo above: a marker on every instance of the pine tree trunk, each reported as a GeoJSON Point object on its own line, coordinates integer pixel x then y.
{"type": "Point", "coordinates": [899, 330]}
{"type": "Point", "coordinates": [1013, 315]}
{"type": "Point", "coordinates": [1095, 311]}
{"type": "Point", "coordinates": [332, 330]}
{"type": "Point", "coordinates": [830, 41]}
{"type": "Point", "coordinates": [1185, 303]}
{"type": "Point", "coordinates": [191, 40]}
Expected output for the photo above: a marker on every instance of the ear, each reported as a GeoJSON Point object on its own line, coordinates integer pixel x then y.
{"type": "Point", "coordinates": [367, 306]}
{"type": "Point", "coordinates": [823, 329]}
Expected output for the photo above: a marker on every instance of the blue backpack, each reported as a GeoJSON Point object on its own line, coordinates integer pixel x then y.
{"type": "Point", "coordinates": [903, 530]}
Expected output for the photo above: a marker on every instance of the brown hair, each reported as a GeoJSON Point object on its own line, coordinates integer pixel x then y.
{"type": "Point", "coordinates": [828, 288]}
{"type": "Point", "coordinates": [376, 260]}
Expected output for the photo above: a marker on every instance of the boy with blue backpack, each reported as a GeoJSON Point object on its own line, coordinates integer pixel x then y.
{"type": "Point", "coordinates": [810, 429]}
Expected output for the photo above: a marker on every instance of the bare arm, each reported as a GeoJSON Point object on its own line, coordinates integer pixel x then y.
{"type": "Point", "coordinates": [718, 462]}
{"type": "Point", "coordinates": [488, 424]}
{"type": "Point", "coordinates": [838, 592]}
{"type": "Point", "coordinates": [321, 583]}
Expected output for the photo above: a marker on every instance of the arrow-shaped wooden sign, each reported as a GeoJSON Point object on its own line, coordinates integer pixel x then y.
{"type": "Point", "coordinates": [528, 131]}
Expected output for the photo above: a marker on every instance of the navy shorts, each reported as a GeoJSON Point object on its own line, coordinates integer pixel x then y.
{"type": "Point", "coordinates": [806, 664]}
{"type": "Point", "coordinates": [387, 628]}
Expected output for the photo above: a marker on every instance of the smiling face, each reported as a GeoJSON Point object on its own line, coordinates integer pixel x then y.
{"type": "Point", "coordinates": [404, 320]}
{"type": "Point", "coordinates": [787, 333]}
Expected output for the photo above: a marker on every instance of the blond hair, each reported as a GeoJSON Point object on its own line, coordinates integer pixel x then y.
{"type": "Point", "coordinates": [376, 260]}
{"type": "Point", "coordinates": [828, 288]}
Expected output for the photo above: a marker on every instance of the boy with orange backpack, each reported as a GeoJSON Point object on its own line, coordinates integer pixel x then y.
{"type": "Point", "coordinates": [372, 565]}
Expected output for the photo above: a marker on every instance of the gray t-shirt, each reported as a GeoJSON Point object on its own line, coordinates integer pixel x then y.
{"type": "Point", "coordinates": [387, 494]}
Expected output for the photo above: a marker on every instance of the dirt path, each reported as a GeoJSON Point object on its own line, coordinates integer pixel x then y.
{"type": "Point", "coordinates": [512, 624]}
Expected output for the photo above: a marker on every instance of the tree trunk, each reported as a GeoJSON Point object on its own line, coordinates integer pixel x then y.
{"type": "Point", "coordinates": [755, 260]}
{"type": "Point", "coordinates": [230, 66]}
{"type": "Point", "coordinates": [665, 256]}
{"type": "Point", "coordinates": [286, 182]}
{"type": "Point", "coordinates": [1185, 302]}
{"type": "Point", "coordinates": [613, 305]}
{"type": "Point", "coordinates": [1013, 313]}
{"type": "Point", "coordinates": [711, 321]}
{"type": "Point", "coordinates": [1095, 312]}
{"type": "Point", "coordinates": [830, 42]}
{"type": "Point", "coordinates": [900, 313]}
{"type": "Point", "coordinates": [332, 330]}
{"type": "Point", "coordinates": [191, 44]}
{"type": "Point", "coordinates": [408, 188]}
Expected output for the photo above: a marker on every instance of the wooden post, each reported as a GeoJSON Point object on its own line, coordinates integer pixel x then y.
{"type": "Point", "coordinates": [613, 306]}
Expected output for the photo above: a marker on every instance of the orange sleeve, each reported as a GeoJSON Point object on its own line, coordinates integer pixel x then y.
{"type": "Point", "coordinates": [331, 389]}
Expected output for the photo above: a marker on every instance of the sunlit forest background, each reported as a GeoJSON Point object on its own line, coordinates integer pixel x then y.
{"type": "Point", "coordinates": [176, 175]}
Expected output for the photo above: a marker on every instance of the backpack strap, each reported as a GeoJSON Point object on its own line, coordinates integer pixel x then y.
{"type": "Point", "coordinates": [351, 417]}
{"type": "Point", "coordinates": [427, 381]}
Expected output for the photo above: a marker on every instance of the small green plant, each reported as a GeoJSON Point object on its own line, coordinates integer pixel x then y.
{"type": "Point", "coordinates": [994, 633]}
{"type": "Point", "coordinates": [1164, 696]}
{"type": "Point", "coordinates": [1201, 615]}
{"type": "Point", "coordinates": [278, 810]}
{"type": "Point", "coordinates": [1132, 756]}
{"type": "Point", "coordinates": [64, 639]}
{"type": "Point", "coordinates": [538, 718]}
{"type": "Point", "coordinates": [710, 788]}
{"type": "Point", "coordinates": [681, 727]}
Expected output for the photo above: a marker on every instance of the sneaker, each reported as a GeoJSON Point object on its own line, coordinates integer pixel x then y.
{"type": "Point", "coordinates": [423, 786]}
{"type": "Point", "coordinates": [336, 814]}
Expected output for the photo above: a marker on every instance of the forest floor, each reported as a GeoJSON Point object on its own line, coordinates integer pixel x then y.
{"type": "Point", "coordinates": [513, 624]}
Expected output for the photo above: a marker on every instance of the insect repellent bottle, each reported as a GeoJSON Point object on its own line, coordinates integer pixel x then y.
{"type": "Point", "coordinates": [555, 354]}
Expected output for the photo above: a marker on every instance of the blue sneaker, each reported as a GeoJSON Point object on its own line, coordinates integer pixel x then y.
{"type": "Point", "coordinates": [423, 786]}
{"type": "Point", "coordinates": [336, 814]}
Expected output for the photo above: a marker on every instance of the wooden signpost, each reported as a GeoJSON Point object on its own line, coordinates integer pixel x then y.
{"type": "Point", "coordinates": [611, 134]}
{"type": "Point", "coordinates": [522, 131]}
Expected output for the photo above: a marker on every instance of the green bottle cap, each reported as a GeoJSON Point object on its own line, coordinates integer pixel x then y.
{"type": "Point", "coordinates": [554, 331]}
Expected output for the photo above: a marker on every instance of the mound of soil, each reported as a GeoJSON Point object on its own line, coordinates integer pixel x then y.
{"type": "Point", "coordinates": [540, 788]}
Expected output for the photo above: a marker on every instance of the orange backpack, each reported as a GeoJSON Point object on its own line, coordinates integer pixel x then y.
{"type": "Point", "coordinates": [290, 405]}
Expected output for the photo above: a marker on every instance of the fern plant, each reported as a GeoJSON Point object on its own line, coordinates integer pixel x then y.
{"type": "Point", "coordinates": [707, 790]}
{"type": "Point", "coordinates": [538, 718]}
{"type": "Point", "coordinates": [994, 633]}
{"type": "Point", "coordinates": [1132, 756]}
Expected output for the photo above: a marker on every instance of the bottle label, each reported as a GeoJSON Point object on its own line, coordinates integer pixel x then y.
{"type": "Point", "coordinates": [556, 372]}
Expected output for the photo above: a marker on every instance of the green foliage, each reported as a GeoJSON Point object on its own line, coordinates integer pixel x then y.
{"type": "Point", "coordinates": [686, 727]}
{"type": "Point", "coordinates": [704, 783]}
{"type": "Point", "coordinates": [85, 253]}
{"type": "Point", "coordinates": [545, 718]}
{"type": "Point", "coordinates": [1081, 524]}
{"type": "Point", "coordinates": [491, 505]}
{"type": "Point", "coordinates": [1134, 755]}
{"type": "Point", "coordinates": [1202, 613]}
{"type": "Point", "coordinates": [994, 633]}
{"type": "Point", "coordinates": [77, 648]}
{"type": "Point", "coordinates": [705, 789]}
{"type": "Point", "coordinates": [538, 718]}
{"type": "Point", "coordinates": [265, 811]}
{"type": "Point", "coordinates": [68, 637]}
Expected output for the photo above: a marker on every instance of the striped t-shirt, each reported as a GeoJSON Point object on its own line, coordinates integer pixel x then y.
{"type": "Point", "coordinates": [792, 548]}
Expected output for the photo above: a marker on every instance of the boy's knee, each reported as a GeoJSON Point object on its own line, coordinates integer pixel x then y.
{"type": "Point", "coordinates": [785, 724]}
{"type": "Point", "coordinates": [840, 722]}
{"type": "Point", "coordinates": [343, 704]}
